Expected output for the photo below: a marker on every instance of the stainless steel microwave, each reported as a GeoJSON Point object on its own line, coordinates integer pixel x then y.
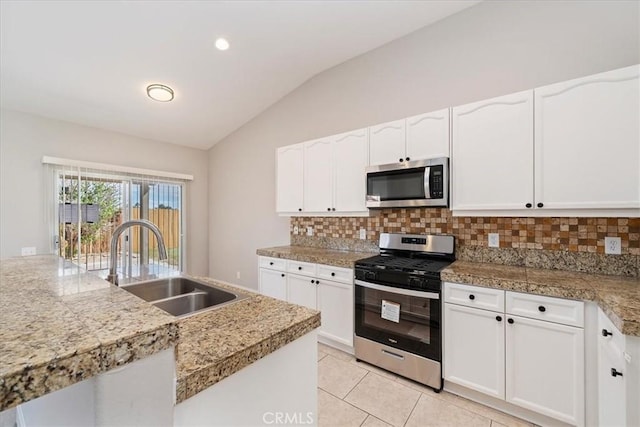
{"type": "Point", "coordinates": [409, 184]}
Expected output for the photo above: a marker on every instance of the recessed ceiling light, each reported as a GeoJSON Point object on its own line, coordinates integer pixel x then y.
{"type": "Point", "coordinates": [160, 92]}
{"type": "Point", "coordinates": [222, 44]}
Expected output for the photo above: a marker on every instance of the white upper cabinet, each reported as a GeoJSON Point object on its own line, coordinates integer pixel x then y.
{"type": "Point", "coordinates": [587, 142]}
{"type": "Point", "coordinates": [387, 143]}
{"type": "Point", "coordinates": [492, 153]}
{"type": "Point", "coordinates": [318, 182]}
{"type": "Point", "coordinates": [350, 158]}
{"type": "Point", "coordinates": [428, 135]}
{"type": "Point", "coordinates": [289, 178]}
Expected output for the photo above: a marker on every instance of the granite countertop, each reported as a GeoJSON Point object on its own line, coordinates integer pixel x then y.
{"type": "Point", "coordinates": [60, 325]}
{"type": "Point", "coordinates": [215, 344]}
{"type": "Point", "coordinates": [346, 259]}
{"type": "Point", "coordinates": [618, 296]}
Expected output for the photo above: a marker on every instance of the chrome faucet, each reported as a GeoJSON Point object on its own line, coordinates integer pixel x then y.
{"type": "Point", "coordinates": [162, 250]}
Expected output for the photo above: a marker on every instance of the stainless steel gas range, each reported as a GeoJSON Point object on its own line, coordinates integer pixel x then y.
{"type": "Point", "coordinates": [398, 307]}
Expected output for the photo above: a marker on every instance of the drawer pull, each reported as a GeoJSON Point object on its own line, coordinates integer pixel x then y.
{"type": "Point", "coordinates": [313, 281]}
{"type": "Point", "coordinates": [499, 318]}
{"type": "Point", "coordinates": [606, 333]}
{"type": "Point", "coordinates": [271, 263]}
{"type": "Point", "coordinates": [510, 321]}
{"type": "Point", "coordinates": [282, 274]}
{"type": "Point", "coordinates": [299, 268]}
{"type": "Point", "coordinates": [615, 373]}
{"type": "Point", "coordinates": [333, 274]}
{"type": "Point", "coordinates": [472, 297]}
{"type": "Point", "coordinates": [542, 309]}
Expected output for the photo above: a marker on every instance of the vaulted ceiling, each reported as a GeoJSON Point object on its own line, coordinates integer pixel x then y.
{"type": "Point", "coordinates": [90, 62]}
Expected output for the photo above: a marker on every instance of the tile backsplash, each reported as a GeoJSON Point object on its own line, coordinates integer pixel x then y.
{"type": "Point", "coordinates": [553, 242]}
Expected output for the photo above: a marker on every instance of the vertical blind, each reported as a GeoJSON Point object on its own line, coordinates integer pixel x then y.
{"type": "Point", "coordinates": [85, 202]}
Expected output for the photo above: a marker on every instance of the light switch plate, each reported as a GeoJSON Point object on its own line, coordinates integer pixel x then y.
{"type": "Point", "coordinates": [363, 234]}
{"type": "Point", "coordinates": [612, 246]}
{"type": "Point", "coordinates": [296, 230]}
{"type": "Point", "coordinates": [309, 231]}
{"type": "Point", "coordinates": [30, 250]}
{"type": "Point", "coordinates": [494, 240]}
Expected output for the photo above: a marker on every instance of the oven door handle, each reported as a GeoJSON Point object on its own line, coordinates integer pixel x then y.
{"type": "Point", "coordinates": [408, 292]}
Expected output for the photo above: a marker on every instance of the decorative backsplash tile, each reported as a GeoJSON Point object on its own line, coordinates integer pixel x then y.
{"type": "Point", "coordinates": [554, 233]}
{"type": "Point", "coordinates": [575, 244]}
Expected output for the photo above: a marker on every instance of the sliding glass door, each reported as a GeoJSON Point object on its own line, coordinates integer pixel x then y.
{"type": "Point", "coordinates": [90, 205]}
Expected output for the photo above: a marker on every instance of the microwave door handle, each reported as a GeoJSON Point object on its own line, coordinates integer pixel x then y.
{"type": "Point", "coordinates": [427, 178]}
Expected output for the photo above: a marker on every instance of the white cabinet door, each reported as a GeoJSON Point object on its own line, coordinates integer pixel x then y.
{"type": "Point", "coordinates": [428, 135]}
{"type": "Point", "coordinates": [317, 175]}
{"type": "Point", "coordinates": [289, 178]}
{"type": "Point", "coordinates": [273, 283]}
{"type": "Point", "coordinates": [474, 349]}
{"type": "Point", "coordinates": [612, 396]}
{"type": "Point", "coordinates": [492, 153]}
{"type": "Point", "coordinates": [587, 142]}
{"type": "Point", "coordinates": [387, 143]}
{"type": "Point", "coordinates": [302, 291]}
{"type": "Point", "coordinates": [545, 368]}
{"type": "Point", "coordinates": [335, 302]}
{"type": "Point", "coordinates": [350, 158]}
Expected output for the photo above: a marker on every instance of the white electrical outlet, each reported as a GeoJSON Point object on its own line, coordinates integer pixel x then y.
{"type": "Point", "coordinates": [363, 234]}
{"type": "Point", "coordinates": [612, 246]}
{"type": "Point", "coordinates": [30, 250]}
{"type": "Point", "coordinates": [296, 230]}
{"type": "Point", "coordinates": [494, 240]}
{"type": "Point", "coordinates": [237, 274]}
{"type": "Point", "coordinates": [309, 231]}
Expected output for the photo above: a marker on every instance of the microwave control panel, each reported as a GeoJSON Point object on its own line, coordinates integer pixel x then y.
{"type": "Point", "coordinates": [436, 182]}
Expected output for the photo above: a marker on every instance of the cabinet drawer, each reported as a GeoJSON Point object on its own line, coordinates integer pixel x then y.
{"type": "Point", "coordinates": [558, 310]}
{"type": "Point", "coordinates": [474, 296]}
{"type": "Point", "coordinates": [299, 267]}
{"type": "Point", "coordinates": [337, 274]}
{"type": "Point", "coordinates": [273, 263]}
{"type": "Point", "coordinates": [608, 335]}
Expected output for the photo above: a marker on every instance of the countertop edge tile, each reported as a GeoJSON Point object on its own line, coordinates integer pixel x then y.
{"type": "Point", "coordinates": [66, 349]}
{"type": "Point", "coordinates": [189, 385]}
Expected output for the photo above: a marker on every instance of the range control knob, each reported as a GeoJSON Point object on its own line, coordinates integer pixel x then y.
{"type": "Point", "coordinates": [370, 275]}
{"type": "Point", "coordinates": [417, 283]}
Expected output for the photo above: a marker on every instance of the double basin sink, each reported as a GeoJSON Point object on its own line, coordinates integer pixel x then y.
{"type": "Point", "coordinates": [182, 296]}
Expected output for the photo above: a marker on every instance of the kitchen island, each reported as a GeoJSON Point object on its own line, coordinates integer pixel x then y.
{"type": "Point", "coordinates": [66, 331]}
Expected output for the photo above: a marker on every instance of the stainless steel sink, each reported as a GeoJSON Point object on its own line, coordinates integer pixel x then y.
{"type": "Point", "coordinates": [182, 297]}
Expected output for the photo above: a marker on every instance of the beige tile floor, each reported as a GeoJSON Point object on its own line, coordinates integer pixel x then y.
{"type": "Point", "coordinates": [356, 394]}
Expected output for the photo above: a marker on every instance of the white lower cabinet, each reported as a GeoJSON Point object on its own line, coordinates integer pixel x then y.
{"type": "Point", "coordinates": [529, 362]}
{"type": "Point", "coordinates": [273, 283]}
{"type": "Point", "coordinates": [474, 349]}
{"type": "Point", "coordinates": [325, 288]}
{"type": "Point", "coordinates": [335, 302]}
{"type": "Point", "coordinates": [302, 290]}
{"type": "Point", "coordinates": [545, 368]}
{"type": "Point", "coordinates": [618, 375]}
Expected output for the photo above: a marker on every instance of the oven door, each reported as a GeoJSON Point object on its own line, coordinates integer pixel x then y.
{"type": "Point", "coordinates": [405, 319]}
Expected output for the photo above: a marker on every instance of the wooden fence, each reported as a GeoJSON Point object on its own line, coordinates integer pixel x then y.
{"type": "Point", "coordinates": [167, 220]}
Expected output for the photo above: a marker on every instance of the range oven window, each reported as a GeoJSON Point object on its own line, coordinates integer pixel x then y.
{"type": "Point", "coordinates": [405, 184]}
{"type": "Point", "coordinates": [417, 329]}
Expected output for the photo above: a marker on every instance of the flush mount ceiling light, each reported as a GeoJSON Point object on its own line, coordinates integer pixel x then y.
{"type": "Point", "coordinates": [222, 44]}
{"type": "Point", "coordinates": [159, 92]}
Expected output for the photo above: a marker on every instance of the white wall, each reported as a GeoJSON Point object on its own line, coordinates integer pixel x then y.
{"type": "Point", "coordinates": [25, 138]}
{"type": "Point", "coordinates": [491, 49]}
